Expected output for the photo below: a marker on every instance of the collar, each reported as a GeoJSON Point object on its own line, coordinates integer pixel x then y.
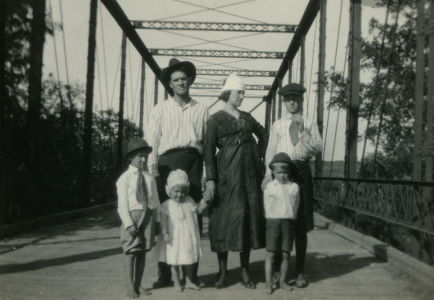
{"type": "Point", "coordinates": [187, 105]}
{"type": "Point", "coordinates": [297, 116]}
{"type": "Point", "coordinates": [134, 169]}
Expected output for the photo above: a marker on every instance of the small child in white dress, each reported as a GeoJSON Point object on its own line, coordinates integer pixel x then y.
{"type": "Point", "coordinates": [180, 229]}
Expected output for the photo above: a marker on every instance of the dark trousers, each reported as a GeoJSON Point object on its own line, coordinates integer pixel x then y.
{"type": "Point", "coordinates": [190, 161]}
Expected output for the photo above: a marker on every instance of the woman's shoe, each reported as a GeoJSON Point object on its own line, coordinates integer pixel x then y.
{"type": "Point", "coordinates": [220, 283]}
{"type": "Point", "coordinates": [246, 281]}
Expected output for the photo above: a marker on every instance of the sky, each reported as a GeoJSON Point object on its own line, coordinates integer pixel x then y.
{"type": "Point", "coordinates": [106, 88]}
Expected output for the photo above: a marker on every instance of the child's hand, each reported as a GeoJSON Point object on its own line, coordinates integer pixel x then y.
{"type": "Point", "coordinates": [132, 230]}
{"type": "Point", "coordinates": [202, 205]}
{"type": "Point", "coordinates": [166, 237]}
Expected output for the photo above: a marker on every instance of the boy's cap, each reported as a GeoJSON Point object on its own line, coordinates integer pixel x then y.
{"type": "Point", "coordinates": [281, 157]}
{"type": "Point", "coordinates": [292, 89]}
{"type": "Point", "coordinates": [135, 144]}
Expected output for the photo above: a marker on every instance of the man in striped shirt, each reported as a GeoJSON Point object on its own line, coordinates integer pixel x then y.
{"type": "Point", "coordinates": [176, 133]}
{"type": "Point", "coordinates": [300, 139]}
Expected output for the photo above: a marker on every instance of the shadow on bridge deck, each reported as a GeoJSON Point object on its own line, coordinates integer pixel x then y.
{"type": "Point", "coordinates": [82, 259]}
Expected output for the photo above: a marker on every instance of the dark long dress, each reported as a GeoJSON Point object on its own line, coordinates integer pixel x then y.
{"type": "Point", "coordinates": [237, 221]}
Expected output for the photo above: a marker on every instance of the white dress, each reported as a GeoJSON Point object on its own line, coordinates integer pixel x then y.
{"type": "Point", "coordinates": [184, 245]}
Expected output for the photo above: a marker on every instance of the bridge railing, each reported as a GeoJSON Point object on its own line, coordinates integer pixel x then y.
{"type": "Point", "coordinates": [400, 213]}
{"type": "Point", "coordinates": [406, 203]}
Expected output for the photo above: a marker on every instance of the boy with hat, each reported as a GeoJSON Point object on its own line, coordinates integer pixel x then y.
{"type": "Point", "coordinates": [138, 208]}
{"type": "Point", "coordinates": [176, 132]}
{"type": "Point", "coordinates": [300, 139]}
{"type": "Point", "coordinates": [281, 201]}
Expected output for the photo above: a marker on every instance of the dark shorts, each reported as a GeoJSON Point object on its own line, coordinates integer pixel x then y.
{"type": "Point", "coordinates": [279, 235]}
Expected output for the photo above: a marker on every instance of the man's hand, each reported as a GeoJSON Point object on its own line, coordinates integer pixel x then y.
{"type": "Point", "coordinates": [306, 140]}
{"type": "Point", "coordinates": [208, 195]}
{"type": "Point", "coordinates": [132, 230]}
{"type": "Point", "coordinates": [266, 180]}
{"type": "Point", "coordinates": [203, 183]}
{"type": "Point", "coordinates": [154, 170]}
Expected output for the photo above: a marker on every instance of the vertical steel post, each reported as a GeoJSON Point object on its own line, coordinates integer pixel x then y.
{"type": "Point", "coordinates": [279, 104]}
{"type": "Point", "coordinates": [156, 91]}
{"type": "Point", "coordinates": [302, 61]}
{"type": "Point", "coordinates": [273, 108]}
{"type": "Point", "coordinates": [120, 143]}
{"type": "Point", "coordinates": [418, 91]}
{"type": "Point", "coordinates": [88, 112]}
{"type": "Point", "coordinates": [142, 98]}
{"type": "Point", "coordinates": [267, 115]}
{"type": "Point", "coordinates": [321, 80]}
{"type": "Point", "coordinates": [353, 99]}
{"type": "Point", "coordinates": [289, 72]}
{"type": "Point", "coordinates": [430, 100]}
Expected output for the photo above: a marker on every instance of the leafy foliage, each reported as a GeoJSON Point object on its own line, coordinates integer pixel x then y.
{"type": "Point", "coordinates": [389, 93]}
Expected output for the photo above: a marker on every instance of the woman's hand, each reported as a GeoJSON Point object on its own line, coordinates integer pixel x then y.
{"type": "Point", "coordinates": [209, 193]}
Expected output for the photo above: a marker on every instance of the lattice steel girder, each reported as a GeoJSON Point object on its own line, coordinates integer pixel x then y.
{"type": "Point", "coordinates": [211, 86]}
{"type": "Point", "coordinates": [213, 26]}
{"type": "Point", "coordinates": [251, 73]}
{"type": "Point", "coordinates": [217, 53]}
{"type": "Point", "coordinates": [217, 95]}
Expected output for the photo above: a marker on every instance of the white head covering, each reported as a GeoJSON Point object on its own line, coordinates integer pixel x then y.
{"type": "Point", "coordinates": [233, 82]}
{"type": "Point", "coordinates": [177, 177]}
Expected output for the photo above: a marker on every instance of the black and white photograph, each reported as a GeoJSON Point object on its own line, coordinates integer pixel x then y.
{"type": "Point", "coordinates": [217, 149]}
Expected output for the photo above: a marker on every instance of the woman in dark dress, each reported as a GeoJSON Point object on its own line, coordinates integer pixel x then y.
{"type": "Point", "coordinates": [235, 173]}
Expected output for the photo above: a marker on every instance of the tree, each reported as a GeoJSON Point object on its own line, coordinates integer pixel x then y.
{"type": "Point", "coordinates": [390, 94]}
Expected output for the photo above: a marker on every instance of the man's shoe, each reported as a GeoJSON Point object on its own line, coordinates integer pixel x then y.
{"type": "Point", "coordinates": [162, 283]}
{"type": "Point", "coordinates": [301, 281]}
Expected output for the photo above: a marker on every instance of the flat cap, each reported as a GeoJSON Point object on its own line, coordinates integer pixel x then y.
{"type": "Point", "coordinates": [292, 88]}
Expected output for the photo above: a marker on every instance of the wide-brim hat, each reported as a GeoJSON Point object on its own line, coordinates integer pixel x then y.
{"type": "Point", "coordinates": [176, 65]}
{"type": "Point", "coordinates": [292, 89]}
{"type": "Point", "coordinates": [282, 158]}
{"type": "Point", "coordinates": [135, 145]}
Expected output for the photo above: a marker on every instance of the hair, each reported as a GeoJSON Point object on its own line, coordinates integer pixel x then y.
{"type": "Point", "coordinates": [224, 96]}
{"type": "Point", "coordinates": [289, 169]}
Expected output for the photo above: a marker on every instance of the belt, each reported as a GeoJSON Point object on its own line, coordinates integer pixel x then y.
{"type": "Point", "coordinates": [191, 150]}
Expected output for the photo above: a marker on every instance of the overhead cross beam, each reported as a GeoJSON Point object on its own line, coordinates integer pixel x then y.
{"type": "Point", "coordinates": [212, 86]}
{"type": "Point", "coordinates": [121, 18]}
{"type": "Point", "coordinates": [250, 73]}
{"type": "Point", "coordinates": [217, 53]}
{"type": "Point", "coordinates": [302, 29]}
{"type": "Point", "coordinates": [213, 26]}
{"type": "Point", "coordinates": [216, 96]}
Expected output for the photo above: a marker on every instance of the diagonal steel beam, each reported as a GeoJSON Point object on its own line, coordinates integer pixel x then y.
{"type": "Point", "coordinates": [302, 29]}
{"type": "Point", "coordinates": [121, 18]}
{"type": "Point", "coordinates": [213, 26]}
{"type": "Point", "coordinates": [226, 72]}
{"type": "Point", "coordinates": [217, 53]}
{"type": "Point", "coordinates": [211, 86]}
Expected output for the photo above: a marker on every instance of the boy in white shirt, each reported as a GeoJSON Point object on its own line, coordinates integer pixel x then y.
{"type": "Point", "coordinates": [281, 201]}
{"type": "Point", "coordinates": [139, 209]}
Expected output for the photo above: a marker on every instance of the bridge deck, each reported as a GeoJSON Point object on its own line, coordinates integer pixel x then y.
{"type": "Point", "coordinates": [82, 259]}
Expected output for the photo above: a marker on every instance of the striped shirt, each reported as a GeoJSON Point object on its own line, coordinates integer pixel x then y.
{"type": "Point", "coordinates": [174, 126]}
{"type": "Point", "coordinates": [280, 140]}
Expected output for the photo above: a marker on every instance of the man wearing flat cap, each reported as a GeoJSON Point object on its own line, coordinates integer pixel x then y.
{"type": "Point", "coordinates": [176, 133]}
{"type": "Point", "coordinates": [300, 139]}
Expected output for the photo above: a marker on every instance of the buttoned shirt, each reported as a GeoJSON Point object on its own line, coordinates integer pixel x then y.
{"type": "Point", "coordinates": [281, 200]}
{"type": "Point", "coordinates": [280, 140]}
{"type": "Point", "coordinates": [127, 199]}
{"type": "Point", "coordinates": [174, 126]}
